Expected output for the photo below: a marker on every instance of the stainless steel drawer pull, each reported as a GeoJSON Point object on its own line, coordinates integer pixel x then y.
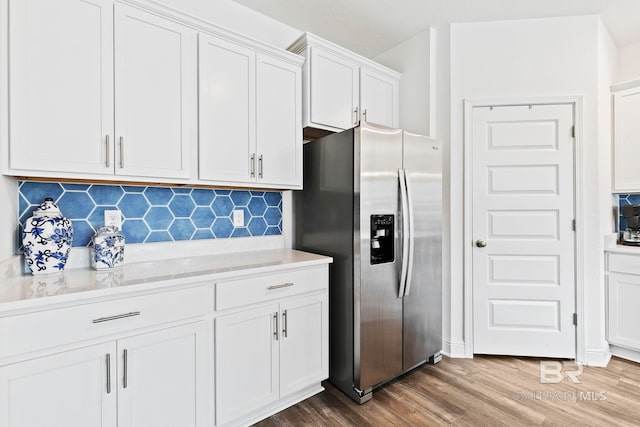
{"type": "Point", "coordinates": [108, 373]}
{"type": "Point", "coordinates": [275, 329]}
{"type": "Point", "coordinates": [107, 151]}
{"type": "Point", "coordinates": [284, 285]}
{"type": "Point", "coordinates": [284, 323]}
{"type": "Point", "coordinates": [124, 373]}
{"type": "Point", "coordinates": [121, 152]}
{"type": "Point", "coordinates": [116, 317]}
{"type": "Point", "coordinates": [253, 165]}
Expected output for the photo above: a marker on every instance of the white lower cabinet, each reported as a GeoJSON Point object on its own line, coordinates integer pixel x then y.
{"type": "Point", "coordinates": [73, 388]}
{"type": "Point", "coordinates": [623, 302]}
{"type": "Point", "coordinates": [155, 379]}
{"type": "Point", "coordinates": [267, 354]}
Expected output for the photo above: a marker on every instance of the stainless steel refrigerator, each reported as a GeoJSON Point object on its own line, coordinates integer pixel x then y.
{"type": "Point", "coordinates": [372, 200]}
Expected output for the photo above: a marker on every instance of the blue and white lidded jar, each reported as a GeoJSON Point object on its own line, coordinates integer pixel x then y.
{"type": "Point", "coordinates": [107, 248]}
{"type": "Point", "coordinates": [46, 239]}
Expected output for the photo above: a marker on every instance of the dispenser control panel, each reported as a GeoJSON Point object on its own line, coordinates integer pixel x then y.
{"type": "Point", "coordinates": [382, 239]}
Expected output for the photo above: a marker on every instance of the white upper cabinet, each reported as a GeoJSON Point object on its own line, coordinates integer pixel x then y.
{"type": "Point", "coordinates": [379, 97]}
{"type": "Point", "coordinates": [334, 90]}
{"type": "Point", "coordinates": [141, 93]}
{"type": "Point", "coordinates": [626, 136]}
{"type": "Point", "coordinates": [155, 94]}
{"type": "Point", "coordinates": [250, 129]}
{"type": "Point", "coordinates": [279, 122]}
{"type": "Point", "coordinates": [339, 86]}
{"type": "Point", "coordinates": [61, 85]}
{"type": "Point", "coordinates": [227, 110]}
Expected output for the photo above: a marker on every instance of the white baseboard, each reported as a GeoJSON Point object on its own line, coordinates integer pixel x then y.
{"type": "Point", "coordinates": [625, 353]}
{"type": "Point", "coordinates": [454, 349]}
{"type": "Point", "coordinates": [597, 356]}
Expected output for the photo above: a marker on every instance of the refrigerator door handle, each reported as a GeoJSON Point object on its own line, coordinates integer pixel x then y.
{"type": "Point", "coordinates": [411, 239]}
{"type": "Point", "coordinates": [405, 233]}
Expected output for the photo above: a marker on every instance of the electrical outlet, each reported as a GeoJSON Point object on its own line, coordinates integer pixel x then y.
{"type": "Point", "coordinates": [113, 218]}
{"type": "Point", "coordinates": [238, 218]}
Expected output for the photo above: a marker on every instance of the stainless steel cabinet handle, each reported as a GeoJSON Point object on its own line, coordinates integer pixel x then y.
{"type": "Point", "coordinates": [364, 114]}
{"type": "Point", "coordinates": [284, 285]}
{"type": "Point", "coordinates": [481, 243]}
{"type": "Point", "coordinates": [116, 317]}
{"type": "Point", "coordinates": [260, 166]}
{"type": "Point", "coordinates": [355, 114]}
{"type": "Point", "coordinates": [253, 165]}
{"type": "Point", "coordinates": [284, 323]}
{"type": "Point", "coordinates": [108, 373]}
{"type": "Point", "coordinates": [121, 152]}
{"type": "Point", "coordinates": [275, 329]}
{"type": "Point", "coordinates": [108, 161]}
{"type": "Point", "coordinates": [124, 368]}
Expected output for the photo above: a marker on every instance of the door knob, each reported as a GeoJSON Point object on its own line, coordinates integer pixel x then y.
{"type": "Point", "coordinates": [481, 243]}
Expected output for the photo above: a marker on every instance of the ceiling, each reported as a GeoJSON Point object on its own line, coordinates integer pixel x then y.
{"type": "Point", "coordinates": [370, 27]}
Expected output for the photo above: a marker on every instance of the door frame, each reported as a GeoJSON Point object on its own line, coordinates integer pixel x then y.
{"type": "Point", "coordinates": [578, 180]}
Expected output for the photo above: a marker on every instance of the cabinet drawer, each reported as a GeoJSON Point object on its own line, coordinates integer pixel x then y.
{"type": "Point", "coordinates": [46, 329]}
{"type": "Point", "coordinates": [236, 293]}
{"type": "Point", "coordinates": [624, 263]}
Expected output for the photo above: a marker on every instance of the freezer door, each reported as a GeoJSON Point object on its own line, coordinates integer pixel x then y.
{"type": "Point", "coordinates": [377, 307]}
{"type": "Point", "coordinates": [422, 331]}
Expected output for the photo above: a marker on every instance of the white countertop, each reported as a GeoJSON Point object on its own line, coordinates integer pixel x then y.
{"type": "Point", "coordinates": [26, 291]}
{"type": "Point", "coordinates": [623, 249]}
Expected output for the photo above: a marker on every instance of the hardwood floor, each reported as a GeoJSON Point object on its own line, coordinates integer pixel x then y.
{"type": "Point", "coordinates": [484, 391]}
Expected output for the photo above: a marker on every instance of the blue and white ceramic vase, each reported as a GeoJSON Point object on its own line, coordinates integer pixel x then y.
{"type": "Point", "coordinates": [107, 248]}
{"type": "Point", "coordinates": [46, 239]}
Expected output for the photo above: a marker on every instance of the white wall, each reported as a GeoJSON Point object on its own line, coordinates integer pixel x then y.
{"type": "Point", "coordinates": [628, 63]}
{"type": "Point", "coordinates": [527, 58]}
{"type": "Point", "coordinates": [413, 59]}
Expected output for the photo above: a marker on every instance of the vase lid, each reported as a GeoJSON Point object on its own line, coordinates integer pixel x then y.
{"type": "Point", "coordinates": [47, 208]}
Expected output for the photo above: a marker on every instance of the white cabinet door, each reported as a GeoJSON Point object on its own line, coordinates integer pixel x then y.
{"type": "Point", "coordinates": [334, 90]}
{"type": "Point", "coordinates": [304, 350]}
{"type": "Point", "coordinates": [624, 317]}
{"type": "Point", "coordinates": [162, 378]}
{"type": "Point", "coordinates": [61, 85]}
{"type": "Point", "coordinates": [626, 107]}
{"type": "Point", "coordinates": [227, 111]}
{"type": "Point", "coordinates": [247, 375]}
{"type": "Point", "coordinates": [279, 122]}
{"type": "Point", "coordinates": [155, 95]}
{"type": "Point", "coordinates": [379, 98]}
{"type": "Point", "coordinates": [70, 389]}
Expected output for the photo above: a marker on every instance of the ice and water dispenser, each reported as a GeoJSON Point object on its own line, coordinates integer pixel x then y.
{"type": "Point", "coordinates": [382, 238]}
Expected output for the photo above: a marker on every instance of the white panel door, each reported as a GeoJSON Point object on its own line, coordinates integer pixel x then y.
{"type": "Point", "coordinates": [246, 362]}
{"type": "Point", "coordinates": [162, 378]}
{"type": "Point", "coordinates": [334, 90]}
{"type": "Point", "coordinates": [304, 352]}
{"type": "Point", "coordinates": [69, 389]}
{"type": "Point", "coordinates": [523, 238]}
{"type": "Point", "coordinates": [61, 83]}
{"type": "Point", "coordinates": [155, 95]}
{"type": "Point", "coordinates": [279, 122]}
{"type": "Point", "coordinates": [379, 98]}
{"type": "Point", "coordinates": [227, 111]}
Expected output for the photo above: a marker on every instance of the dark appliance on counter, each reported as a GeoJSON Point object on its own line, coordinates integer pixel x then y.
{"type": "Point", "coordinates": [631, 236]}
{"type": "Point", "coordinates": [372, 200]}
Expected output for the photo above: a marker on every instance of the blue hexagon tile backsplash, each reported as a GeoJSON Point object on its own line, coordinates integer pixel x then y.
{"type": "Point", "coordinates": [157, 214]}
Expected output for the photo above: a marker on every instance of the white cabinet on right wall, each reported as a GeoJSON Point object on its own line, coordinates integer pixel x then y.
{"type": "Point", "coordinates": [626, 136]}
{"type": "Point", "coordinates": [340, 88]}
